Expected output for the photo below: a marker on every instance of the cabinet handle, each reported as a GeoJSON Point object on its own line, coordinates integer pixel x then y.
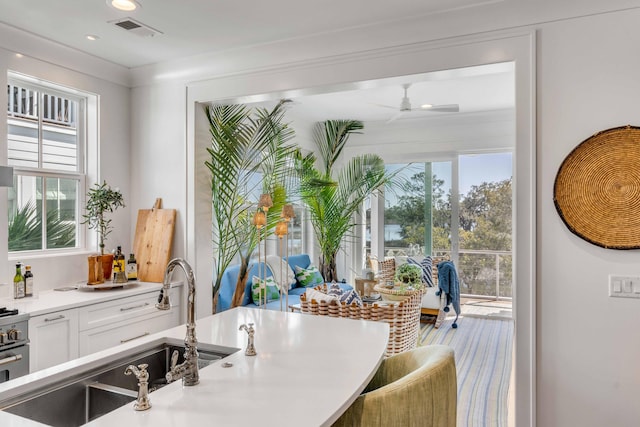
{"type": "Point", "coordinates": [134, 307]}
{"type": "Point", "coordinates": [10, 359]}
{"type": "Point", "coordinates": [51, 319]}
{"type": "Point", "coordinates": [134, 338]}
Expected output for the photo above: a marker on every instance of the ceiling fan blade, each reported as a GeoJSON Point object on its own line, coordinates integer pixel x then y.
{"type": "Point", "coordinates": [395, 116]}
{"type": "Point", "coordinates": [446, 108]}
{"type": "Point", "coordinates": [383, 105]}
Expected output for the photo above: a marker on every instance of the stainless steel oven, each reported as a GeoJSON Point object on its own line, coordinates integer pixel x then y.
{"type": "Point", "coordinates": [14, 344]}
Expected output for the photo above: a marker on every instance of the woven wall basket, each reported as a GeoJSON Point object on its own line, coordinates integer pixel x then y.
{"type": "Point", "coordinates": [597, 189]}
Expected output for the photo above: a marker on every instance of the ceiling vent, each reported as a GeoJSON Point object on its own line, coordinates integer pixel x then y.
{"type": "Point", "coordinates": [135, 27]}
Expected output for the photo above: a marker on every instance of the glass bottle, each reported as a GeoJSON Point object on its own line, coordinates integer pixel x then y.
{"type": "Point", "coordinates": [28, 281]}
{"type": "Point", "coordinates": [118, 262]}
{"type": "Point", "coordinates": [18, 283]}
{"type": "Point", "coordinates": [132, 268]}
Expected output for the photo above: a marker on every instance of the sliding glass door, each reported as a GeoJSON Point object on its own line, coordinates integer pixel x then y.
{"type": "Point", "coordinates": [460, 208]}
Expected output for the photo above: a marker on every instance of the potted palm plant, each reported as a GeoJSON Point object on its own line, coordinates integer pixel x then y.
{"type": "Point", "coordinates": [333, 195]}
{"type": "Point", "coordinates": [101, 200]}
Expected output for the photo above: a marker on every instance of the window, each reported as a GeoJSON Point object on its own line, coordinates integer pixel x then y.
{"type": "Point", "coordinates": [460, 208]}
{"type": "Point", "coordinates": [297, 236]}
{"type": "Point", "coordinates": [46, 140]}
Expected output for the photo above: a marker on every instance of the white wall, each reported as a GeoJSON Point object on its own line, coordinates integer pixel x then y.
{"type": "Point", "coordinates": [158, 154]}
{"type": "Point", "coordinates": [588, 348]}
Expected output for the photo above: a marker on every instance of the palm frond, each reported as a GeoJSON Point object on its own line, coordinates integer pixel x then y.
{"type": "Point", "coordinates": [333, 197]}
{"type": "Point", "coordinates": [245, 143]}
{"type": "Point", "coordinates": [331, 136]}
{"type": "Point", "coordinates": [25, 230]}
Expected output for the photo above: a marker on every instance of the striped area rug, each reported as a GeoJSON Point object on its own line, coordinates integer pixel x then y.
{"type": "Point", "coordinates": [483, 353]}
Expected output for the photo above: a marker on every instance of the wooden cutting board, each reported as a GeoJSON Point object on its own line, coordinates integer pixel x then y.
{"type": "Point", "coordinates": [152, 241]}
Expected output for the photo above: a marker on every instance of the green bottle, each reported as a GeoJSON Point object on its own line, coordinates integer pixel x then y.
{"type": "Point", "coordinates": [18, 283]}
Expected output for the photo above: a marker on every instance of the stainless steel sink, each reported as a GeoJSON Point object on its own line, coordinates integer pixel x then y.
{"type": "Point", "coordinates": [91, 394]}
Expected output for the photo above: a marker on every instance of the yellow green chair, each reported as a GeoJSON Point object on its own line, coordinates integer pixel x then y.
{"type": "Point", "coordinates": [414, 388]}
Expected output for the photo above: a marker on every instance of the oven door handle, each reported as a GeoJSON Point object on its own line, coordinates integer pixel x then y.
{"type": "Point", "coordinates": [10, 359]}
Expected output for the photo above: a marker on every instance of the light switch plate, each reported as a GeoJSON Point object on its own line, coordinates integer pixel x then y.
{"type": "Point", "coordinates": [624, 286]}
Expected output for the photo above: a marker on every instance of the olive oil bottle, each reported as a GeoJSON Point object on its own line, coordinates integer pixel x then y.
{"type": "Point", "coordinates": [18, 283]}
{"type": "Point", "coordinates": [132, 268]}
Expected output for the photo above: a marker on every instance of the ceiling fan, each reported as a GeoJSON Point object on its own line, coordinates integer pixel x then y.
{"type": "Point", "coordinates": [405, 106]}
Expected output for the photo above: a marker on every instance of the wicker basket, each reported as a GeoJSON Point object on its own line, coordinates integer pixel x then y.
{"type": "Point", "coordinates": [403, 317]}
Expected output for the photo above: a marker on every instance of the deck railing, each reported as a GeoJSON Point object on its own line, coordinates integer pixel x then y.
{"type": "Point", "coordinates": [482, 273]}
{"type": "Point", "coordinates": [23, 104]}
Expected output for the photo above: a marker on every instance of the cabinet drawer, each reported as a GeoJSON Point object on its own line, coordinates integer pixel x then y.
{"type": "Point", "coordinates": [111, 312]}
{"type": "Point", "coordinates": [115, 334]}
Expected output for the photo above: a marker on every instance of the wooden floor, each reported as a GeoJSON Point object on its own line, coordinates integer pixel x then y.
{"type": "Point", "coordinates": [498, 310]}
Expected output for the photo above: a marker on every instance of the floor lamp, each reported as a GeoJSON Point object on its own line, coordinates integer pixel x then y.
{"type": "Point", "coordinates": [260, 221]}
{"type": "Point", "coordinates": [287, 215]}
{"type": "Point", "coordinates": [281, 232]}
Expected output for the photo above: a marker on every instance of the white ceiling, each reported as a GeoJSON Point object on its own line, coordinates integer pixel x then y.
{"type": "Point", "coordinates": [197, 27]}
{"type": "Point", "coordinates": [485, 94]}
{"type": "Point", "coordinates": [474, 89]}
{"type": "Point", "coordinates": [200, 26]}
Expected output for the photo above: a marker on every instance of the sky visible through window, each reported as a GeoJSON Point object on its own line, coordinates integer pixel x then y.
{"type": "Point", "coordinates": [474, 169]}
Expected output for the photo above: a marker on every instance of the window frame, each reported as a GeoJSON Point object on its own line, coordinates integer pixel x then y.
{"type": "Point", "coordinates": [80, 175]}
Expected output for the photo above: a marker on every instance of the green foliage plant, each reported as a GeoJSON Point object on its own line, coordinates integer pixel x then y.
{"type": "Point", "coordinates": [409, 275]}
{"type": "Point", "coordinates": [25, 230]}
{"type": "Point", "coordinates": [249, 154]}
{"type": "Point", "coordinates": [335, 194]}
{"type": "Point", "coordinates": [101, 200]}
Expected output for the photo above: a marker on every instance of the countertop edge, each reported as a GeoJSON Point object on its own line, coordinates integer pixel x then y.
{"type": "Point", "coordinates": [51, 301]}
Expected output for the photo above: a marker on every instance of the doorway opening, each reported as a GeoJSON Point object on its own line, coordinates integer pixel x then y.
{"type": "Point", "coordinates": [330, 75]}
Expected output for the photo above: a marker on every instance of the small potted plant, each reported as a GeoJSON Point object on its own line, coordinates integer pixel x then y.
{"type": "Point", "coordinates": [101, 200]}
{"type": "Point", "coordinates": [409, 276]}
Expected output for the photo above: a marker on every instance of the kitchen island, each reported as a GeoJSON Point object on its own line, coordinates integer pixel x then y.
{"type": "Point", "coordinates": [307, 371]}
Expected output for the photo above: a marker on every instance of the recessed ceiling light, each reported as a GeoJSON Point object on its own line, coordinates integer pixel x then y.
{"type": "Point", "coordinates": [19, 55]}
{"type": "Point", "coordinates": [92, 37]}
{"type": "Point", "coordinates": [426, 106]}
{"type": "Point", "coordinates": [126, 5]}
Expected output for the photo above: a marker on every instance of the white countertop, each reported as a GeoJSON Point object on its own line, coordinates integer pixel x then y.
{"type": "Point", "coordinates": [49, 301]}
{"type": "Point", "coordinates": [308, 370]}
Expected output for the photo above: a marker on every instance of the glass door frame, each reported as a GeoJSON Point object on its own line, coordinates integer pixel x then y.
{"type": "Point", "coordinates": [377, 212]}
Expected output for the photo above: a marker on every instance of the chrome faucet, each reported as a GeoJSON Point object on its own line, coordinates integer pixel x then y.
{"type": "Point", "coordinates": [251, 349]}
{"type": "Point", "coordinates": [187, 370]}
{"type": "Point", "coordinates": [142, 403]}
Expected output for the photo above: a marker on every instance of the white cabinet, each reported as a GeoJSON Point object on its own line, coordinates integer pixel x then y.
{"type": "Point", "coordinates": [116, 322]}
{"type": "Point", "coordinates": [60, 336]}
{"type": "Point", "coordinates": [54, 339]}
